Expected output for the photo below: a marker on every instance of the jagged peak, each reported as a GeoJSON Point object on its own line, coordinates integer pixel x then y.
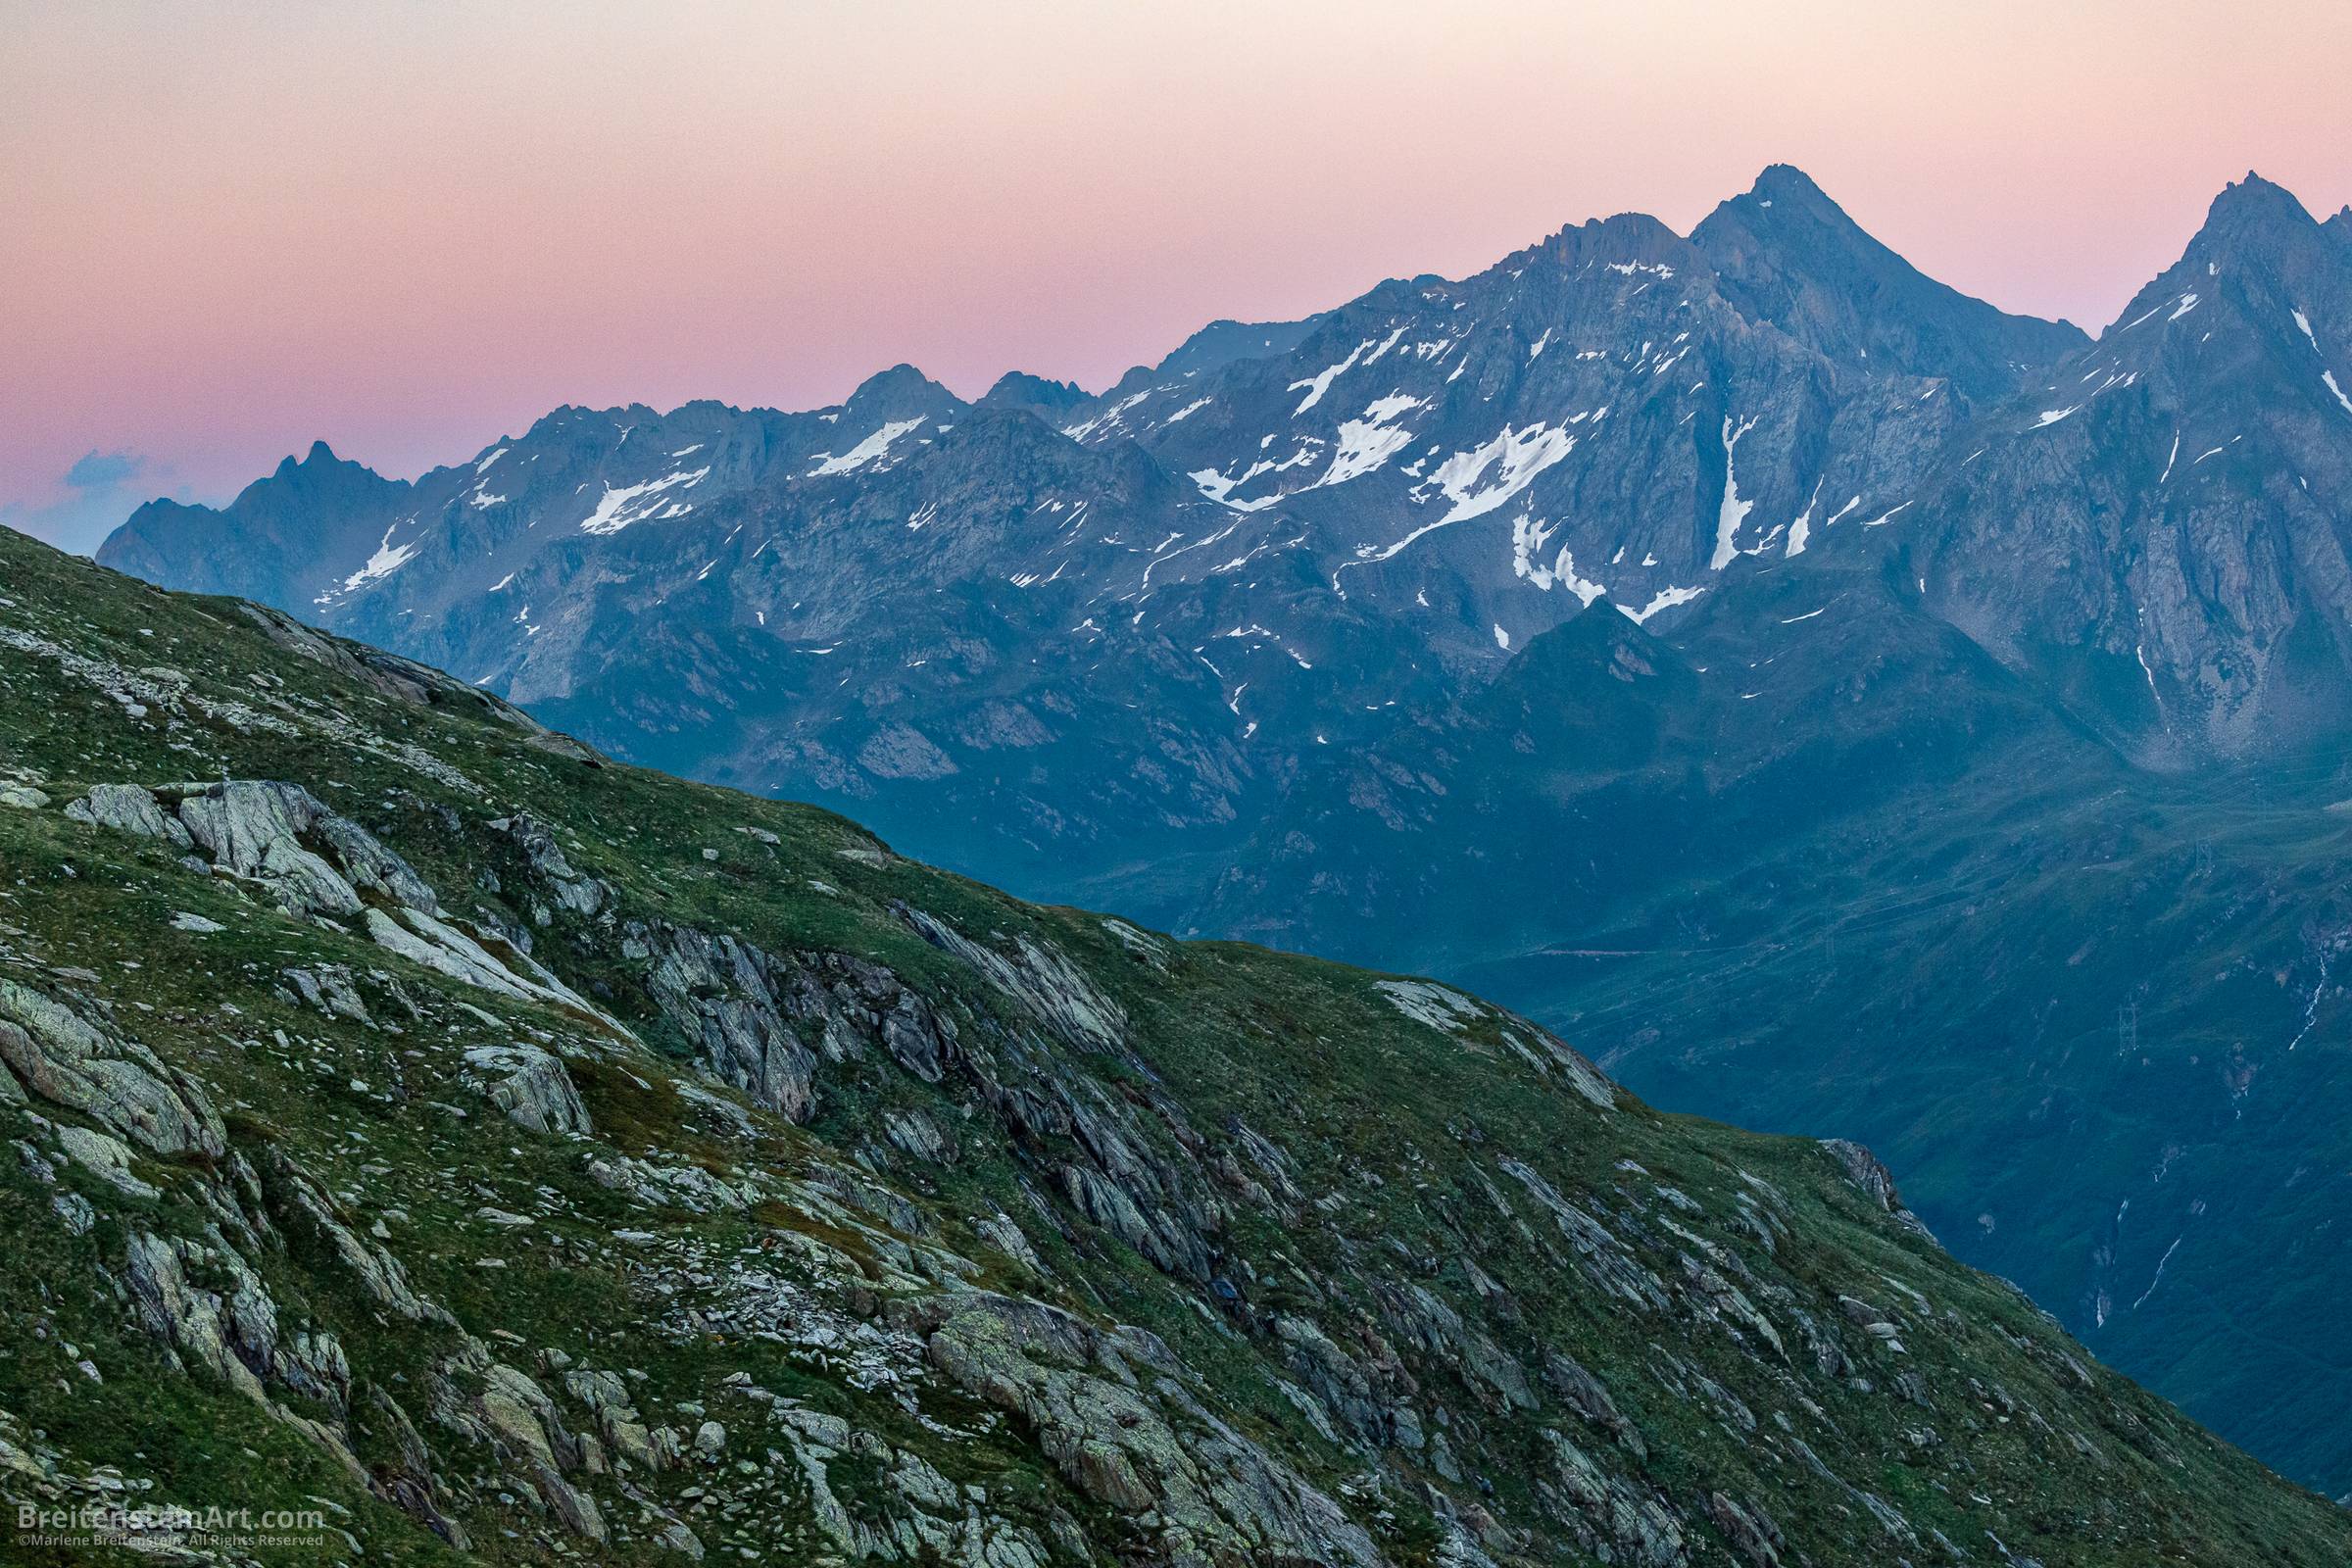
{"type": "Point", "coordinates": [2254, 218]}
{"type": "Point", "coordinates": [320, 454]}
{"type": "Point", "coordinates": [2254, 190]}
{"type": "Point", "coordinates": [318, 461]}
{"type": "Point", "coordinates": [1019, 389]}
{"type": "Point", "coordinates": [1785, 252]}
{"type": "Point", "coordinates": [2252, 223]}
{"type": "Point", "coordinates": [1618, 238]}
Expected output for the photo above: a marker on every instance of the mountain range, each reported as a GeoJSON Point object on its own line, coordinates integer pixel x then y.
{"type": "Point", "coordinates": [1837, 704]}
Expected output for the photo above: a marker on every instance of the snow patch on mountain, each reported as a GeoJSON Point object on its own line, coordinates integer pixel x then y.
{"type": "Point", "coordinates": [619, 506]}
{"type": "Point", "coordinates": [1802, 528]}
{"type": "Point", "coordinates": [1367, 443]}
{"type": "Point", "coordinates": [386, 561]}
{"type": "Point", "coordinates": [1320, 382]}
{"type": "Point", "coordinates": [1515, 456]}
{"type": "Point", "coordinates": [1664, 599]}
{"type": "Point", "coordinates": [1732, 511]}
{"type": "Point", "coordinates": [864, 452]}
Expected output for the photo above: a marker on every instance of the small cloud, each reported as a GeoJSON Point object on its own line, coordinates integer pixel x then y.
{"type": "Point", "coordinates": [102, 470]}
{"type": "Point", "coordinates": [88, 501]}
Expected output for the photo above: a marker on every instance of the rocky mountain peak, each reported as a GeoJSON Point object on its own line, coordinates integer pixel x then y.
{"type": "Point", "coordinates": [1784, 207]}
{"type": "Point", "coordinates": [1787, 253]}
{"type": "Point", "coordinates": [1018, 389]}
{"type": "Point", "coordinates": [1617, 239]}
{"type": "Point", "coordinates": [2255, 200]}
{"type": "Point", "coordinates": [2261, 246]}
{"type": "Point", "coordinates": [1783, 186]}
{"type": "Point", "coordinates": [319, 458]}
{"type": "Point", "coordinates": [321, 475]}
{"type": "Point", "coordinates": [2252, 222]}
{"type": "Point", "coordinates": [899, 391]}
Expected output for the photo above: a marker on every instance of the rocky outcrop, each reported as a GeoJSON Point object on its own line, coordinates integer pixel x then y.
{"type": "Point", "coordinates": [280, 835]}
{"type": "Point", "coordinates": [532, 1087]}
{"type": "Point", "coordinates": [1111, 1411]}
{"type": "Point", "coordinates": [1863, 1168]}
{"type": "Point", "coordinates": [64, 1055]}
{"type": "Point", "coordinates": [1036, 977]}
{"type": "Point", "coordinates": [761, 1022]}
{"type": "Point", "coordinates": [128, 808]}
{"type": "Point", "coordinates": [568, 887]}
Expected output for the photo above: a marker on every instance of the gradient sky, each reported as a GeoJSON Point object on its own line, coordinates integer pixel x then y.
{"type": "Point", "coordinates": [228, 230]}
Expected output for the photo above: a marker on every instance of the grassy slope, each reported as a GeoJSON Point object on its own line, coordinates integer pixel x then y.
{"type": "Point", "coordinates": [1393, 1134]}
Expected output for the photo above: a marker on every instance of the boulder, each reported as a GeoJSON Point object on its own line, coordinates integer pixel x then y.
{"type": "Point", "coordinates": [128, 808]}
{"type": "Point", "coordinates": [530, 1085]}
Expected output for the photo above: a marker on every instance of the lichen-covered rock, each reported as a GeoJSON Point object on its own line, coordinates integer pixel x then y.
{"type": "Point", "coordinates": [59, 1053]}
{"type": "Point", "coordinates": [1111, 1412]}
{"type": "Point", "coordinates": [532, 1087]}
{"type": "Point", "coordinates": [128, 808]}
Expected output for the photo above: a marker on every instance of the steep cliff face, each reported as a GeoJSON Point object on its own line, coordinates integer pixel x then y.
{"type": "Point", "coordinates": [532, 1157]}
{"type": "Point", "coordinates": [2161, 530]}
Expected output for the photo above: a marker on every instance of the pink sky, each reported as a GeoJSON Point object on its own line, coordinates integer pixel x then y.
{"type": "Point", "coordinates": [410, 227]}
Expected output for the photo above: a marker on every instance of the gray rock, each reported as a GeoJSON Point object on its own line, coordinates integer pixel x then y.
{"type": "Point", "coordinates": [315, 861]}
{"type": "Point", "coordinates": [531, 1086]}
{"type": "Point", "coordinates": [1041, 979]}
{"type": "Point", "coordinates": [128, 808]}
{"type": "Point", "coordinates": [61, 1055]}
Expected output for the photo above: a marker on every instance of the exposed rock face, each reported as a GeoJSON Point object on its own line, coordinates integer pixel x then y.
{"type": "Point", "coordinates": [1037, 979]}
{"type": "Point", "coordinates": [582, 896]}
{"type": "Point", "coordinates": [258, 830]}
{"type": "Point", "coordinates": [2188, 476]}
{"type": "Point", "coordinates": [1222, 1498]}
{"type": "Point", "coordinates": [1864, 1170]}
{"type": "Point", "coordinates": [60, 1055]}
{"type": "Point", "coordinates": [128, 808]}
{"type": "Point", "coordinates": [747, 1010]}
